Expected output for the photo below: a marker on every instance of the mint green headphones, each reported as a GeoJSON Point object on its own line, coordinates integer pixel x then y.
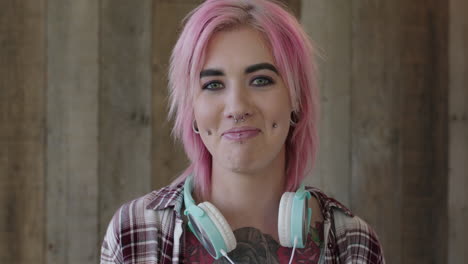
{"type": "Point", "coordinates": [215, 234]}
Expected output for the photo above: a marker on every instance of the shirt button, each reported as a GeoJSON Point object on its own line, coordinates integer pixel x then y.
{"type": "Point", "coordinates": [330, 246]}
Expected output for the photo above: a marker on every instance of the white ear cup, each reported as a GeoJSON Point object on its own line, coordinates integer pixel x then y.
{"type": "Point", "coordinates": [221, 224]}
{"type": "Point", "coordinates": [284, 219]}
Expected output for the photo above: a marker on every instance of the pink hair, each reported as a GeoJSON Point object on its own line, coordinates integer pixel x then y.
{"type": "Point", "coordinates": [293, 55]}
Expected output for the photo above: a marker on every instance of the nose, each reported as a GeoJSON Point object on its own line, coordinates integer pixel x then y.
{"type": "Point", "coordinates": [238, 106]}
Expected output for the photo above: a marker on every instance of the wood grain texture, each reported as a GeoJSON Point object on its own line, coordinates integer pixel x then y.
{"type": "Point", "coordinates": [124, 104]}
{"type": "Point", "coordinates": [295, 6]}
{"type": "Point", "coordinates": [72, 125]}
{"type": "Point", "coordinates": [328, 25]}
{"type": "Point", "coordinates": [458, 133]}
{"type": "Point", "coordinates": [22, 88]}
{"type": "Point", "coordinates": [438, 23]}
{"type": "Point", "coordinates": [168, 157]}
{"type": "Point", "coordinates": [376, 181]}
{"type": "Point", "coordinates": [423, 149]}
{"type": "Point", "coordinates": [397, 133]}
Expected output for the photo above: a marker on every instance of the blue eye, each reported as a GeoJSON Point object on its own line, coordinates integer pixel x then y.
{"type": "Point", "coordinates": [262, 81]}
{"type": "Point", "coordinates": [213, 86]}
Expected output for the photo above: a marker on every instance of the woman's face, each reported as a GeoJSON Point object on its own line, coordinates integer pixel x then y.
{"type": "Point", "coordinates": [240, 79]}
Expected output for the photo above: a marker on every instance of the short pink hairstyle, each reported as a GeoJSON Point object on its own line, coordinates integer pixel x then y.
{"type": "Point", "coordinates": [293, 54]}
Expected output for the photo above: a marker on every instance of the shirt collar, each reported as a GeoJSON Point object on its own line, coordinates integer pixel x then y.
{"type": "Point", "coordinates": [327, 204]}
{"type": "Point", "coordinates": [169, 196]}
{"type": "Point", "coordinates": [173, 196]}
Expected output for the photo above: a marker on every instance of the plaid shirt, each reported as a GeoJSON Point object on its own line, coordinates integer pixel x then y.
{"type": "Point", "coordinates": [149, 230]}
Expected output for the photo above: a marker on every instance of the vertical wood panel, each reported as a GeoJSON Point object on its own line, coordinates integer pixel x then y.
{"type": "Point", "coordinates": [437, 68]}
{"type": "Point", "coordinates": [399, 125]}
{"type": "Point", "coordinates": [72, 94]}
{"type": "Point", "coordinates": [168, 158]}
{"type": "Point", "coordinates": [124, 104]}
{"type": "Point", "coordinates": [22, 87]}
{"type": "Point", "coordinates": [458, 133]}
{"type": "Point", "coordinates": [376, 193]}
{"type": "Point", "coordinates": [328, 25]}
{"type": "Point", "coordinates": [423, 64]}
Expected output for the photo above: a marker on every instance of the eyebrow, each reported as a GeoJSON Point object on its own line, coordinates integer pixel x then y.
{"type": "Point", "coordinates": [250, 69]}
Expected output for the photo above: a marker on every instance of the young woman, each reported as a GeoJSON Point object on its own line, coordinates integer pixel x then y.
{"type": "Point", "coordinates": [245, 101]}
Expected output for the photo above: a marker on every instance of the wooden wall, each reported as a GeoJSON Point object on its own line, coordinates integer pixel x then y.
{"type": "Point", "coordinates": [458, 134]}
{"type": "Point", "coordinates": [83, 128]}
{"type": "Point", "coordinates": [124, 104]}
{"type": "Point", "coordinates": [22, 131]}
{"type": "Point", "coordinates": [72, 131]}
{"type": "Point", "coordinates": [384, 74]}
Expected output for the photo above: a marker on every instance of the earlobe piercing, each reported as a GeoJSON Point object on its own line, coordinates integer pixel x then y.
{"type": "Point", "coordinates": [294, 119]}
{"type": "Point", "coordinates": [195, 127]}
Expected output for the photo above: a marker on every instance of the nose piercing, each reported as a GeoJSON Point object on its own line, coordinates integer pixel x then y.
{"type": "Point", "coordinates": [237, 120]}
{"type": "Point", "coordinates": [242, 119]}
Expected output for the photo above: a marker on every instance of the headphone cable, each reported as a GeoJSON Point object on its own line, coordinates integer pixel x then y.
{"type": "Point", "coordinates": [226, 256]}
{"type": "Point", "coordinates": [294, 250]}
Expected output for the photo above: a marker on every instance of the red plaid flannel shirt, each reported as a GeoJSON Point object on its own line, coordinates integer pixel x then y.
{"type": "Point", "coordinates": [149, 230]}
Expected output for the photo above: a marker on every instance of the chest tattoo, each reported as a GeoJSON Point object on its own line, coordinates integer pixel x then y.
{"type": "Point", "coordinates": [253, 246]}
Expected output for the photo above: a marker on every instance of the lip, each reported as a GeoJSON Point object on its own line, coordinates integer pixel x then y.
{"type": "Point", "coordinates": [241, 133]}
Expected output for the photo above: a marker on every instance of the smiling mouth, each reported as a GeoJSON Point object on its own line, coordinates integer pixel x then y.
{"type": "Point", "coordinates": [241, 134]}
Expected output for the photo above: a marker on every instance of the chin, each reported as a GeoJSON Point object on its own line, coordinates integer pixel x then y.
{"type": "Point", "coordinates": [245, 162]}
{"type": "Point", "coordinates": [244, 167]}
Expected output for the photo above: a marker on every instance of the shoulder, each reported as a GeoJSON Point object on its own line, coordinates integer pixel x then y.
{"type": "Point", "coordinates": [148, 219]}
{"type": "Point", "coordinates": [153, 208]}
{"type": "Point", "coordinates": [138, 212]}
{"type": "Point", "coordinates": [327, 204]}
{"type": "Point", "coordinates": [356, 240]}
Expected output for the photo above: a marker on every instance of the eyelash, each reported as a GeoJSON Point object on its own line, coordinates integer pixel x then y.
{"type": "Point", "coordinates": [268, 79]}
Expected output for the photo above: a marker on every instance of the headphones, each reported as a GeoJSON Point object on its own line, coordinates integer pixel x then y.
{"type": "Point", "coordinates": [214, 233]}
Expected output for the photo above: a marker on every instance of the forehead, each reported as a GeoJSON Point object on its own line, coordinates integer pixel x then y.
{"type": "Point", "coordinates": [240, 46]}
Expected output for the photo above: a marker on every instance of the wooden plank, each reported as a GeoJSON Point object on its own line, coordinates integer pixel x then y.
{"type": "Point", "coordinates": [22, 88]}
{"type": "Point", "coordinates": [72, 122]}
{"type": "Point", "coordinates": [328, 25]}
{"type": "Point", "coordinates": [398, 132]}
{"type": "Point", "coordinates": [376, 180]}
{"type": "Point", "coordinates": [423, 97]}
{"type": "Point", "coordinates": [124, 104]}
{"type": "Point", "coordinates": [168, 157]}
{"type": "Point", "coordinates": [437, 20]}
{"type": "Point", "coordinates": [458, 133]}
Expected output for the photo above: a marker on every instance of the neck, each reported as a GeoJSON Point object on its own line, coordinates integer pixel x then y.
{"type": "Point", "coordinates": [250, 199]}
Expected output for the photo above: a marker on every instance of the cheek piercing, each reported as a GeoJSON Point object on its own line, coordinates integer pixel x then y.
{"type": "Point", "coordinates": [275, 125]}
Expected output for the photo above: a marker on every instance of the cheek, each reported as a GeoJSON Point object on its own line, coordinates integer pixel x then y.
{"type": "Point", "coordinates": [278, 112]}
{"type": "Point", "coordinates": [278, 119]}
{"type": "Point", "coordinates": [277, 105]}
{"type": "Point", "coordinates": [207, 117]}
